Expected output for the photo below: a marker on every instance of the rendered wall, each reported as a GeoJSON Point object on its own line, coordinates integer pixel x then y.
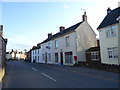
{"type": "Point", "coordinates": [85, 39]}
{"type": "Point", "coordinates": [63, 48]}
{"type": "Point", "coordinates": [107, 43]}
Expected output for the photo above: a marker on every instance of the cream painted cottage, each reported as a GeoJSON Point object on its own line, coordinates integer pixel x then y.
{"type": "Point", "coordinates": [109, 32]}
{"type": "Point", "coordinates": [68, 46]}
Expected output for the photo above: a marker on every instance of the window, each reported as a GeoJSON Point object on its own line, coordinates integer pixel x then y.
{"type": "Point", "coordinates": [43, 56]}
{"type": "Point", "coordinates": [49, 45]}
{"type": "Point", "coordinates": [110, 31]}
{"type": "Point", "coordinates": [94, 56]}
{"type": "Point", "coordinates": [49, 56]}
{"type": "Point", "coordinates": [56, 57]}
{"type": "Point", "coordinates": [56, 43]}
{"type": "Point", "coordinates": [38, 51]}
{"type": "Point", "coordinates": [38, 58]}
{"type": "Point", "coordinates": [43, 47]}
{"type": "Point", "coordinates": [33, 52]}
{"type": "Point", "coordinates": [113, 53]}
{"type": "Point", "coordinates": [68, 57]}
{"type": "Point", "coordinates": [67, 41]}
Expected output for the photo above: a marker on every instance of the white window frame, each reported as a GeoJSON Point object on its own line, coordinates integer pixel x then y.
{"type": "Point", "coordinates": [94, 56]}
{"type": "Point", "coordinates": [56, 58]}
{"type": "Point", "coordinates": [112, 52]}
{"type": "Point", "coordinates": [38, 58]}
{"type": "Point", "coordinates": [49, 56]}
{"type": "Point", "coordinates": [110, 32]}
{"type": "Point", "coordinates": [67, 41]}
{"type": "Point", "coordinates": [68, 57]}
{"type": "Point", "coordinates": [38, 51]}
{"type": "Point", "coordinates": [33, 52]}
{"type": "Point", "coordinates": [56, 44]}
{"type": "Point", "coordinates": [49, 44]}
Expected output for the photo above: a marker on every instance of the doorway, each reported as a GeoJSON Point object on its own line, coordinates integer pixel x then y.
{"type": "Point", "coordinates": [61, 58]}
{"type": "Point", "coordinates": [46, 58]}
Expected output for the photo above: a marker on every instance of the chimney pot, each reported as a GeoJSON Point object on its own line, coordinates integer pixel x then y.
{"type": "Point", "coordinates": [84, 16]}
{"type": "Point", "coordinates": [108, 10]}
{"type": "Point", "coordinates": [49, 35]}
{"type": "Point", "coordinates": [119, 4]}
{"type": "Point", "coordinates": [61, 28]}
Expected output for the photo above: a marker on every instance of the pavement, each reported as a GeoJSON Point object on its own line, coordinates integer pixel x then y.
{"type": "Point", "coordinates": [21, 74]}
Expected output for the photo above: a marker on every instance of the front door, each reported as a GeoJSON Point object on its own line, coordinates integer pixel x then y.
{"type": "Point", "coordinates": [61, 57]}
{"type": "Point", "coordinates": [45, 57]}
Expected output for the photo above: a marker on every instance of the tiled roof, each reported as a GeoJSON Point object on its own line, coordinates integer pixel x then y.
{"type": "Point", "coordinates": [70, 29]}
{"type": "Point", "coordinates": [93, 49]}
{"type": "Point", "coordinates": [110, 18]}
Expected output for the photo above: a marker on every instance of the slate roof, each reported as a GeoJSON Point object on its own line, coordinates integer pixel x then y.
{"type": "Point", "coordinates": [93, 49]}
{"type": "Point", "coordinates": [35, 47]}
{"type": "Point", "coordinates": [70, 29]}
{"type": "Point", "coordinates": [110, 18]}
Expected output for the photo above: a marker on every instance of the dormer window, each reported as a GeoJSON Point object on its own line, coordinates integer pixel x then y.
{"type": "Point", "coordinates": [110, 32]}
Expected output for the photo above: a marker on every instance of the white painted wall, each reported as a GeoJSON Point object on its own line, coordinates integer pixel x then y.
{"type": "Point", "coordinates": [38, 60]}
{"type": "Point", "coordinates": [80, 40]}
{"type": "Point", "coordinates": [85, 38]}
{"type": "Point", "coordinates": [46, 48]}
{"type": "Point", "coordinates": [107, 43]}
{"type": "Point", "coordinates": [62, 47]}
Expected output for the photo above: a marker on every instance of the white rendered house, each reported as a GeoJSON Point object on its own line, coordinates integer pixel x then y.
{"type": "Point", "coordinates": [68, 46]}
{"type": "Point", "coordinates": [109, 32]}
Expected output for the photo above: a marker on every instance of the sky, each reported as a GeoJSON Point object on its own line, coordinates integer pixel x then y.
{"type": "Point", "coordinates": [27, 22]}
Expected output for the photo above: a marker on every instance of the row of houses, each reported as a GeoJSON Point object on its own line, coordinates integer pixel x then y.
{"type": "Point", "coordinates": [79, 43]}
{"type": "Point", "coordinates": [15, 55]}
{"type": "Point", "coordinates": [3, 43]}
{"type": "Point", "coordinates": [66, 47]}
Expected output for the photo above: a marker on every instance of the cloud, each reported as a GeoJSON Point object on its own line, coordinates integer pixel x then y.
{"type": "Point", "coordinates": [66, 6]}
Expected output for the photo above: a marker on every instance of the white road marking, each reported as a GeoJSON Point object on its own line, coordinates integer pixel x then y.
{"type": "Point", "coordinates": [48, 77]}
{"type": "Point", "coordinates": [34, 69]}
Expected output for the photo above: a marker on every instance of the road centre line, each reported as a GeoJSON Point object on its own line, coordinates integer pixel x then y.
{"type": "Point", "coordinates": [48, 77]}
{"type": "Point", "coordinates": [34, 69]}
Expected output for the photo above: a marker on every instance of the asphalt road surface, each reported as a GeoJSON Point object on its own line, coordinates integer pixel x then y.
{"type": "Point", "coordinates": [21, 74]}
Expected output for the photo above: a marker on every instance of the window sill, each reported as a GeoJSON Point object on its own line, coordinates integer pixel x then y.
{"type": "Point", "coordinates": [113, 58]}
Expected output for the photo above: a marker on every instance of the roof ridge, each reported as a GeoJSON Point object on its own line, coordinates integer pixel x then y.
{"type": "Point", "coordinates": [110, 18]}
{"type": "Point", "coordinates": [69, 29]}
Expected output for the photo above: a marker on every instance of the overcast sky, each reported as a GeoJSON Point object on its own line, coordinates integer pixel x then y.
{"type": "Point", "coordinates": [28, 23]}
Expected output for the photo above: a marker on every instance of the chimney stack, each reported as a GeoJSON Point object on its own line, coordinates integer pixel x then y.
{"type": "Point", "coordinates": [108, 10]}
{"type": "Point", "coordinates": [84, 16]}
{"type": "Point", "coordinates": [49, 35]}
{"type": "Point", "coordinates": [61, 28]}
{"type": "Point", "coordinates": [1, 30]}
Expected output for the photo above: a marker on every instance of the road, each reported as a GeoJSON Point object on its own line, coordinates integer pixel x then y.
{"type": "Point", "coordinates": [21, 74]}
